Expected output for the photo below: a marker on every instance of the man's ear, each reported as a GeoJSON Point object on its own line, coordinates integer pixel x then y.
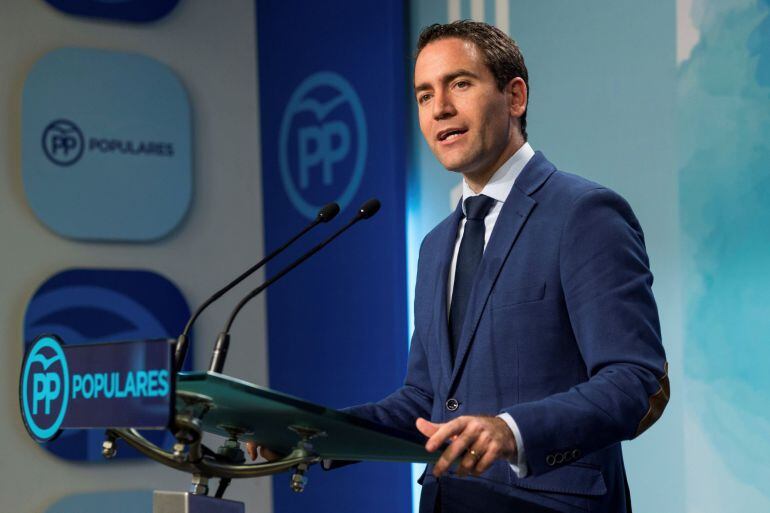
{"type": "Point", "coordinates": [518, 93]}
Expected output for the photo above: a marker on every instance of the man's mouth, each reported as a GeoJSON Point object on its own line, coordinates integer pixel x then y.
{"type": "Point", "coordinates": [450, 134]}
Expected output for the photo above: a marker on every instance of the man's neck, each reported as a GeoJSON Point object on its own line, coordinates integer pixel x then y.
{"type": "Point", "coordinates": [478, 180]}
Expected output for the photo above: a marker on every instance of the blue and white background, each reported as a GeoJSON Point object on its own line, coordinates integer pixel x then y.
{"type": "Point", "coordinates": [106, 145]}
{"type": "Point", "coordinates": [724, 174]}
{"type": "Point", "coordinates": [665, 102]}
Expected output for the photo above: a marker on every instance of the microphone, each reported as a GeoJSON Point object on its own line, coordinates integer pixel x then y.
{"type": "Point", "coordinates": [367, 210]}
{"type": "Point", "coordinates": [325, 214]}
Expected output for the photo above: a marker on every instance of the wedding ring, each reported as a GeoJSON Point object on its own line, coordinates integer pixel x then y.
{"type": "Point", "coordinates": [474, 454]}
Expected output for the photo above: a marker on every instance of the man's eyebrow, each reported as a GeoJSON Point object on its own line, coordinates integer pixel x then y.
{"type": "Point", "coordinates": [447, 78]}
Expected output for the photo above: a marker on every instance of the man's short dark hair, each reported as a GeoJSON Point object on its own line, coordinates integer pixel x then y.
{"type": "Point", "coordinates": [501, 53]}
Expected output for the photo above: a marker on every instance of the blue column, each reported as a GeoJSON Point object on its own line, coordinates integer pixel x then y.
{"type": "Point", "coordinates": [333, 95]}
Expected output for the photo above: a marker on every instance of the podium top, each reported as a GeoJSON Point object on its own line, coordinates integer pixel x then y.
{"type": "Point", "coordinates": [229, 406]}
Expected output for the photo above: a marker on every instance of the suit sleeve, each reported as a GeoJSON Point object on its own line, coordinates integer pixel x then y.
{"type": "Point", "coordinates": [607, 284]}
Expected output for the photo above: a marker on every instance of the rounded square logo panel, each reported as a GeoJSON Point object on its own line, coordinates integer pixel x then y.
{"type": "Point", "coordinates": [106, 145]}
{"type": "Point", "coordinates": [84, 306]}
{"type": "Point", "coordinates": [126, 10]}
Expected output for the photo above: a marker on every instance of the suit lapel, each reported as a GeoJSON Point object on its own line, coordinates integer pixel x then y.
{"type": "Point", "coordinates": [446, 245]}
{"type": "Point", "coordinates": [513, 216]}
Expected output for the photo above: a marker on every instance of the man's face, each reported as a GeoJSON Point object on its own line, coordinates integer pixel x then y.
{"type": "Point", "coordinates": [464, 117]}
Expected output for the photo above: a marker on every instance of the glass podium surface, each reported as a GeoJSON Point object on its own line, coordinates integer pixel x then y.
{"type": "Point", "coordinates": [231, 407]}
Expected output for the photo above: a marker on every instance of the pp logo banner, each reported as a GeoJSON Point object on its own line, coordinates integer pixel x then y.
{"type": "Point", "coordinates": [44, 388]}
{"type": "Point", "coordinates": [83, 306]}
{"type": "Point", "coordinates": [63, 143]}
{"type": "Point", "coordinates": [106, 145]}
{"type": "Point", "coordinates": [126, 384]}
{"type": "Point", "coordinates": [126, 10]}
{"type": "Point", "coordinates": [323, 143]}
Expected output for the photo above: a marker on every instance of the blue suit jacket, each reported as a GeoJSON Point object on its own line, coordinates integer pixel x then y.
{"type": "Point", "coordinates": [561, 332]}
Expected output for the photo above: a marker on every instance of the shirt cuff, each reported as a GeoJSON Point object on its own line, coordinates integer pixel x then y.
{"type": "Point", "coordinates": [520, 465]}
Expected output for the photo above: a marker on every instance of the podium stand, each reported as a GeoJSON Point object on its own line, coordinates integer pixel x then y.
{"type": "Point", "coordinates": [307, 433]}
{"type": "Point", "coordinates": [115, 385]}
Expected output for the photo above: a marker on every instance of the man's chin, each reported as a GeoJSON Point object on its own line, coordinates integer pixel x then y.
{"type": "Point", "coordinates": [459, 168]}
{"type": "Point", "coordinates": [454, 165]}
{"type": "Point", "coordinates": [459, 163]}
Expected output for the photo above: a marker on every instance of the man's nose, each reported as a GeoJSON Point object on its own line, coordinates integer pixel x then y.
{"type": "Point", "coordinates": [442, 106]}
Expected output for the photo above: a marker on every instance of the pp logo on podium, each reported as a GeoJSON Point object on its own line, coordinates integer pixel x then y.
{"type": "Point", "coordinates": [323, 143]}
{"type": "Point", "coordinates": [45, 388]}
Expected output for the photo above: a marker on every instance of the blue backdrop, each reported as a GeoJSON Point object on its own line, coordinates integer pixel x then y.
{"type": "Point", "coordinates": [332, 104]}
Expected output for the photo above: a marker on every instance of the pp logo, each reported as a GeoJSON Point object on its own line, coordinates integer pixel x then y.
{"type": "Point", "coordinates": [323, 142]}
{"type": "Point", "coordinates": [44, 388]}
{"type": "Point", "coordinates": [63, 142]}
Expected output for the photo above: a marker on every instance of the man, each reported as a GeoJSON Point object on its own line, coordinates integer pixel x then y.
{"type": "Point", "coordinates": [536, 347]}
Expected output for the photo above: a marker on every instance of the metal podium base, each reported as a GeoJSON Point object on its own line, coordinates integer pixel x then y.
{"type": "Point", "coordinates": [184, 502]}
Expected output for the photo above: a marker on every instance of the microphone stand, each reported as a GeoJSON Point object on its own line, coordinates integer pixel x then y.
{"type": "Point", "coordinates": [326, 214]}
{"type": "Point", "coordinates": [219, 355]}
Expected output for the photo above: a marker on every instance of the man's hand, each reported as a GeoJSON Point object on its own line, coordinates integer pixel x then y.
{"type": "Point", "coordinates": [251, 448]}
{"type": "Point", "coordinates": [479, 441]}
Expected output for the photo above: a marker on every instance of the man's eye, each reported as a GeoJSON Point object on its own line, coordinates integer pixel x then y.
{"type": "Point", "coordinates": [462, 84]}
{"type": "Point", "coordinates": [423, 98]}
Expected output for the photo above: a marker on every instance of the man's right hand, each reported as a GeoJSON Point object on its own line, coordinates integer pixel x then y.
{"type": "Point", "coordinates": [255, 450]}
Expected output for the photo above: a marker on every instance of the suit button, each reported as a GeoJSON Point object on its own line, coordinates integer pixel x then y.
{"type": "Point", "coordinates": [576, 454]}
{"type": "Point", "coordinates": [550, 460]}
{"type": "Point", "coordinates": [452, 404]}
{"type": "Point", "coordinates": [560, 457]}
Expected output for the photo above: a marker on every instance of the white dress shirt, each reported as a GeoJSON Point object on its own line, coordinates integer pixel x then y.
{"type": "Point", "coordinates": [498, 188]}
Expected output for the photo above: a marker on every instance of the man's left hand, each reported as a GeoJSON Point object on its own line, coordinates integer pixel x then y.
{"type": "Point", "coordinates": [478, 440]}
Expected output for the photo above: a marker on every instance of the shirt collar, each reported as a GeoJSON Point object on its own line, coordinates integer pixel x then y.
{"type": "Point", "coordinates": [501, 183]}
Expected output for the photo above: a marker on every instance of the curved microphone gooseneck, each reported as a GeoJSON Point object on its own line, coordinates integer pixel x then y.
{"type": "Point", "coordinates": [367, 210]}
{"type": "Point", "coordinates": [325, 214]}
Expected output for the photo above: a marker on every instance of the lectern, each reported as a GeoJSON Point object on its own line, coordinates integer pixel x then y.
{"type": "Point", "coordinates": [124, 387]}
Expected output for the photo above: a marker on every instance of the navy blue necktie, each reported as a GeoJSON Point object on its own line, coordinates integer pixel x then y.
{"type": "Point", "coordinates": [468, 259]}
